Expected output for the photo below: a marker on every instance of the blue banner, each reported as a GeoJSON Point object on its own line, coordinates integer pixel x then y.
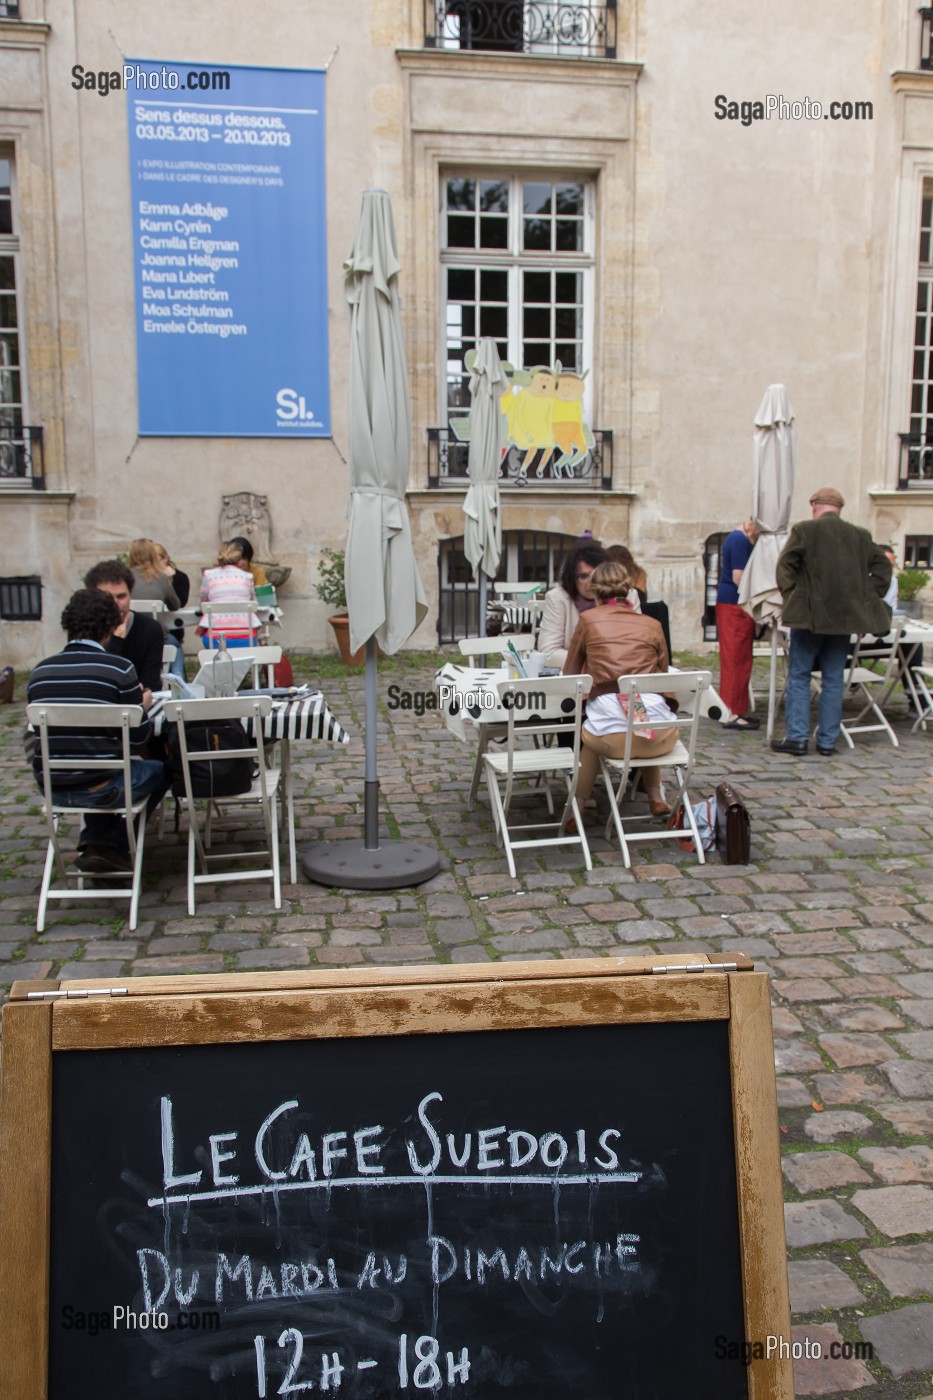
{"type": "Point", "coordinates": [229, 242]}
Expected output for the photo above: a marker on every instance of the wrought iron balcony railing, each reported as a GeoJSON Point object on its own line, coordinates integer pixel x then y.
{"type": "Point", "coordinates": [565, 28]}
{"type": "Point", "coordinates": [916, 461]}
{"type": "Point", "coordinates": [21, 460]}
{"type": "Point", "coordinates": [9, 9]}
{"type": "Point", "coordinates": [448, 460]}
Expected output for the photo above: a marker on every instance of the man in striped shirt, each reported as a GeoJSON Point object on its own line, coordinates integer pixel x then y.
{"type": "Point", "coordinates": [86, 673]}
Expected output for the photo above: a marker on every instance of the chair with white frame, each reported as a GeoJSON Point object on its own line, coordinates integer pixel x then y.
{"type": "Point", "coordinates": [258, 656]}
{"type": "Point", "coordinates": [534, 707]}
{"type": "Point", "coordinates": [688, 688]}
{"type": "Point", "coordinates": [122, 719]}
{"type": "Point", "coordinates": [150, 607]}
{"type": "Point", "coordinates": [471, 648]}
{"type": "Point", "coordinates": [212, 615]}
{"type": "Point", "coordinates": [859, 680]}
{"type": "Point", "coordinates": [250, 711]}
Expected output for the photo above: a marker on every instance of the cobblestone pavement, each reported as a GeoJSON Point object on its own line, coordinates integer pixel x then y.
{"type": "Point", "coordinates": [838, 907]}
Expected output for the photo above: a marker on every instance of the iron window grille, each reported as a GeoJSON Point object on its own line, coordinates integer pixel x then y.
{"type": "Point", "coordinates": [916, 461]}
{"type": "Point", "coordinates": [533, 556]}
{"type": "Point", "coordinates": [712, 558]}
{"type": "Point", "coordinates": [21, 456]}
{"type": "Point", "coordinates": [21, 599]}
{"type": "Point", "coordinates": [448, 460]}
{"type": "Point", "coordinates": [564, 28]}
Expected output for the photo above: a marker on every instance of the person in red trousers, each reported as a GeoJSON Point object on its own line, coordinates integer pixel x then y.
{"type": "Point", "coordinates": [735, 627]}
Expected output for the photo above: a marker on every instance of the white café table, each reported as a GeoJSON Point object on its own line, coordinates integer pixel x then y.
{"type": "Point", "coordinates": [914, 635]}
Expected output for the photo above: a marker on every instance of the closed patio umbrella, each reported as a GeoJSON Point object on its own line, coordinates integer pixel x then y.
{"type": "Point", "coordinates": [774, 464]}
{"type": "Point", "coordinates": [482, 533]}
{"type": "Point", "coordinates": [385, 599]}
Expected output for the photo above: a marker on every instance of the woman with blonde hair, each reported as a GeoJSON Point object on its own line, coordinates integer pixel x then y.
{"type": "Point", "coordinates": [155, 579]}
{"type": "Point", "coordinates": [613, 640]}
{"type": "Point", "coordinates": [230, 582]}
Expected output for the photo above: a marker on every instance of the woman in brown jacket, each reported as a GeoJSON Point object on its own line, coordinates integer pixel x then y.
{"type": "Point", "coordinates": [611, 641]}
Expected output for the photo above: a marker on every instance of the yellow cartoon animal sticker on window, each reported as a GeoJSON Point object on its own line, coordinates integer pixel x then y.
{"type": "Point", "coordinates": [542, 422]}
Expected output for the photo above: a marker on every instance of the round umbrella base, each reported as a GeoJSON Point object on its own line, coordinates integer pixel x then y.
{"type": "Point", "coordinates": [349, 865]}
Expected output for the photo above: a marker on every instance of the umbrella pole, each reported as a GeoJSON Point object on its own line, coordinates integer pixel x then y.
{"type": "Point", "coordinates": [370, 774]}
{"type": "Point", "coordinates": [482, 603]}
{"type": "Point", "coordinates": [367, 865]}
{"type": "Point", "coordinates": [772, 680]}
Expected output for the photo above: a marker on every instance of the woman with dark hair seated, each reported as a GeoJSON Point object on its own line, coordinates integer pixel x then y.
{"type": "Point", "coordinates": [612, 641]}
{"type": "Point", "coordinates": [567, 600]}
{"type": "Point", "coordinates": [257, 571]}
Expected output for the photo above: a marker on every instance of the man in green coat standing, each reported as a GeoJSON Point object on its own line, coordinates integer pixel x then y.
{"type": "Point", "coordinates": [833, 578]}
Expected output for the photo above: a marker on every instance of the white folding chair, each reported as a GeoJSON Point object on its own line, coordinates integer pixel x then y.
{"type": "Point", "coordinates": [534, 706]}
{"type": "Point", "coordinates": [923, 680]}
{"type": "Point", "coordinates": [512, 589]}
{"type": "Point", "coordinates": [859, 681]}
{"type": "Point", "coordinates": [212, 616]}
{"type": "Point", "coordinates": [250, 711]}
{"type": "Point", "coordinates": [688, 687]}
{"type": "Point", "coordinates": [120, 718]}
{"type": "Point", "coordinates": [471, 648]}
{"type": "Point", "coordinates": [268, 657]}
{"type": "Point", "coordinates": [151, 607]}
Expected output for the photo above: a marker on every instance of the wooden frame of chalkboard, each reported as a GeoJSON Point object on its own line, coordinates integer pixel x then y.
{"type": "Point", "coordinates": [45, 1026]}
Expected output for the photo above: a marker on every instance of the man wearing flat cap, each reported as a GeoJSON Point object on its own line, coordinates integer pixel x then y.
{"type": "Point", "coordinates": [833, 578]}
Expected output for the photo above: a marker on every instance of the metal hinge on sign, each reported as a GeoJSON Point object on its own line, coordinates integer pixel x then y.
{"type": "Point", "coordinates": [697, 967]}
{"type": "Point", "coordinates": [78, 993]}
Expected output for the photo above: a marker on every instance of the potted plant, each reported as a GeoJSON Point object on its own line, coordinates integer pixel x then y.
{"type": "Point", "coordinates": [909, 584]}
{"type": "Point", "coordinates": [331, 588]}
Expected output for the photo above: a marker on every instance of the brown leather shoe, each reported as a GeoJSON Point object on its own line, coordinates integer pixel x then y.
{"type": "Point", "coordinates": [658, 809]}
{"type": "Point", "coordinates": [94, 859]}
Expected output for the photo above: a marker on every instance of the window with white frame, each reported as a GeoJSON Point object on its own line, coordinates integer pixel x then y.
{"type": "Point", "coordinates": [517, 265]}
{"type": "Point", "coordinates": [11, 378]}
{"type": "Point", "coordinates": [921, 394]}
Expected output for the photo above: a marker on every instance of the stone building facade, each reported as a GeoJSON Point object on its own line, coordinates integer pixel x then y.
{"type": "Point", "coordinates": [682, 209]}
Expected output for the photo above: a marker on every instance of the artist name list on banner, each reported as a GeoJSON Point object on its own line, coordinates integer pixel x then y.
{"type": "Point", "coordinates": [229, 245]}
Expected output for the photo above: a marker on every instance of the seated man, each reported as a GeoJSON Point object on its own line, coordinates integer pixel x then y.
{"type": "Point", "coordinates": [86, 673]}
{"type": "Point", "coordinates": [138, 638]}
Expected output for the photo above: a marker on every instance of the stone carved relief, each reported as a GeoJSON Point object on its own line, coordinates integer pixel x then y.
{"type": "Point", "coordinates": [247, 513]}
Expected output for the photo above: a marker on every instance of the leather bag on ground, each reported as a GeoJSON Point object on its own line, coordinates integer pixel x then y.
{"type": "Point", "coordinates": [733, 827]}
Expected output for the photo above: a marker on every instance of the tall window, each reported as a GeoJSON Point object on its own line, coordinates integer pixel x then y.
{"type": "Point", "coordinates": [11, 382]}
{"type": "Point", "coordinates": [921, 399]}
{"type": "Point", "coordinates": [517, 265]}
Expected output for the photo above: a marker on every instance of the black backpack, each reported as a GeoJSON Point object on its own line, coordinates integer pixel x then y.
{"type": "Point", "coordinates": [217, 777]}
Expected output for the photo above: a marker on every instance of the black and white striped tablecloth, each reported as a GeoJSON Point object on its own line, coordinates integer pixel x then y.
{"type": "Point", "coordinates": [306, 718]}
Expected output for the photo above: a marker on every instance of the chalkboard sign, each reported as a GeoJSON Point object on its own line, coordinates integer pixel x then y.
{"type": "Point", "coordinates": [535, 1181]}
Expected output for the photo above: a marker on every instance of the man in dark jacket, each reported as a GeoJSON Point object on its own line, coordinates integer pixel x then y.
{"type": "Point", "coordinates": [138, 638]}
{"type": "Point", "coordinates": [833, 578]}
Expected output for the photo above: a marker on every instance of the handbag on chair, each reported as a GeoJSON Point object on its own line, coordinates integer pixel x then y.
{"type": "Point", "coordinates": [733, 826]}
